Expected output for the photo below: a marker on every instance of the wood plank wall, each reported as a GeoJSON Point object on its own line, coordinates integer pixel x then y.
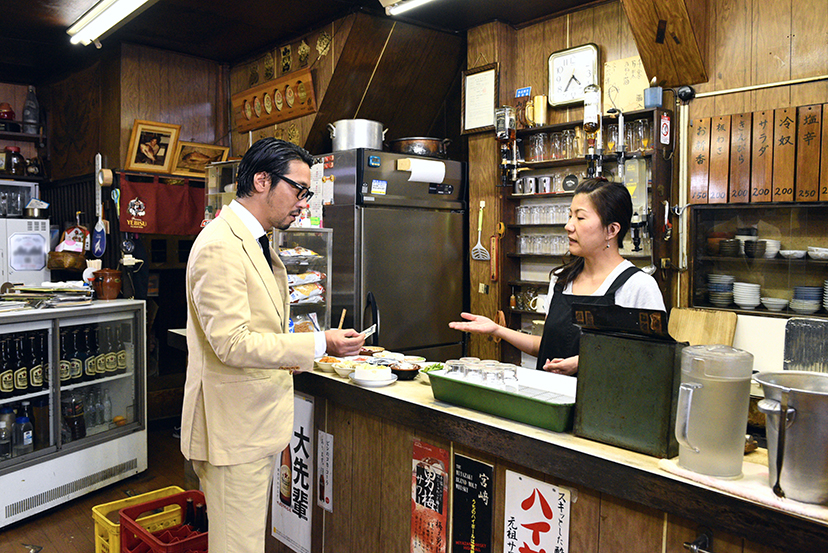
{"type": "Point", "coordinates": [522, 54]}
{"type": "Point", "coordinates": [747, 42]}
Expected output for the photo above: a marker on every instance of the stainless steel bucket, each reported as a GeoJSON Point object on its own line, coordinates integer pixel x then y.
{"type": "Point", "coordinates": [800, 449]}
{"type": "Point", "coordinates": [347, 134]}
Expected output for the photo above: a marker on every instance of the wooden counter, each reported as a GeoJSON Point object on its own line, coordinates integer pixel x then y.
{"type": "Point", "coordinates": [577, 462]}
{"type": "Point", "coordinates": [623, 501]}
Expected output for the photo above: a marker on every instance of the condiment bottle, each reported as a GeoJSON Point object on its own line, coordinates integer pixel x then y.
{"type": "Point", "coordinates": [15, 162]}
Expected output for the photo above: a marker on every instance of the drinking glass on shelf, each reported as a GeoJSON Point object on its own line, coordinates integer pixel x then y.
{"type": "Point", "coordinates": [568, 143]}
{"type": "Point", "coordinates": [520, 214]}
{"type": "Point", "coordinates": [644, 133]}
{"type": "Point", "coordinates": [556, 146]}
{"type": "Point", "coordinates": [612, 137]}
{"type": "Point", "coordinates": [536, 214]}
{"type": "Point", "coordinates": [629, 137]}
{"type": "Point", "coordinates": [547, 244]}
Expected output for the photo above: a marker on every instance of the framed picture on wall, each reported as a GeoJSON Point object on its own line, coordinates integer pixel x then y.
{"type": "Point", "coordinates": [151, 146]}
{"type": "Point", "coordinates": [191, 158]}
{"type": "Point", "coordinates": [480, 93]}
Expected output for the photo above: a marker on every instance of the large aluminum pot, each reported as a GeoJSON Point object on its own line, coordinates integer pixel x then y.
{"type": "Point", "coordinates": [800, 449]}
{"type": "Point", "coordinates": [356, 133]}
{"type": "Point", "coordinates": [420, 146]}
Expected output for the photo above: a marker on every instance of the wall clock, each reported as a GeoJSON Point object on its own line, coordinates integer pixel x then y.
{"type": "Point", "coordinates": [570, 71]}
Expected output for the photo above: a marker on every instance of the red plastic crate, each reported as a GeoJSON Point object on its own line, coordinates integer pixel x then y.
{"type": "Point", "coordinates": [175, 539]}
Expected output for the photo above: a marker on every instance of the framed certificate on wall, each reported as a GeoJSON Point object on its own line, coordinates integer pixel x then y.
{"type": "Point", "coordinates": [480, 93]}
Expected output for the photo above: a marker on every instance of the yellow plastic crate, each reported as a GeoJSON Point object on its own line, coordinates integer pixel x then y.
{"type": "Point", "coordinates": [108, 533]}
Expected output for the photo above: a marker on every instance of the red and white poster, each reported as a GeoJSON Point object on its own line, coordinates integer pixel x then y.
{"type": "Point", "coordinates": [324, 470]}
{"type": "Point", "coordinates": [293, 481]}
{"type": "Point", "coordinates": [429, 498]}
{"type": "Point", "coordinates": [536, 516]}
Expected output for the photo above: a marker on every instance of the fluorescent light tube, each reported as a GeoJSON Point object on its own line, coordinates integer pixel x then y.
{"type": "Point", "coordinates": [404, 6]}
{"type": "Point", "coordinates": [105, 15]}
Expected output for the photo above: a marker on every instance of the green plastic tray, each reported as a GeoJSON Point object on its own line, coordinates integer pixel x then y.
{"type": "Point", "coordinates": [538, 411]}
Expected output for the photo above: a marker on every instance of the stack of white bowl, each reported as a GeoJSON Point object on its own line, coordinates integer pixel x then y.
{"type": "Point", "coordinates": [772, 248]}
{"type": "Point", "coordinates": [806, 299]}
{"type": "Point", "coordinates": [820, 254]}
{"type": "Point", "coordinates": [746, 295]}
{"type": "Point", "coordinates": [774, 304]}
{"type": "Point", "coordinates": [720, 289]}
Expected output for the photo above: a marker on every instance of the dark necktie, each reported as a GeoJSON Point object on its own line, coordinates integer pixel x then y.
{"type": "Point", "coordinates": [266, 249]}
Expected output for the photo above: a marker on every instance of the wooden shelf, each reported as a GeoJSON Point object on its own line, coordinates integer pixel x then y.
{"type": "Point", "coordinates": [512, 196]}
{"type": "Point", "coordinates": [538, 225]}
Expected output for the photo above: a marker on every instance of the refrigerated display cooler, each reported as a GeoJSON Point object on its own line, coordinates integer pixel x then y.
{"type": "Point", "coordinates": [85, 391]}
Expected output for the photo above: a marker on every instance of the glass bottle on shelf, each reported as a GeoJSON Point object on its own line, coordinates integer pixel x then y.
{"type": "Point", "coordinates": [90, 413]}
{"type": "Point", "coordinates": [111, 354]}
{"type": "Point", "coordinates": [5, 441]}
{"type": "Point", "coordinates": [592, 125]}
{"type": "Point", "coordinates": [90, 360]}
{"type": "Point", "coordinates": [23, 437]}
{"type": "Point", "coordinates": [7, 370]}
{"type": "Point", "coordinates": [43, 352]}
{"type": "Point", "coordinates": [107, 405]}
{"type": "Point", "coordinates": [99, 408]}
{"type": "Point", "coordinates": [98, 349]}
{"type": "Point", "coordinates": [21, 371]}
{"type": "Point", "coordinates": [35, 365]}
{"type": "Point", "coordinates": [65, 364]}
{"type": "Point", "coordinates": [120, 350]}
{"type": "Point", "coordinates": [75, 362]}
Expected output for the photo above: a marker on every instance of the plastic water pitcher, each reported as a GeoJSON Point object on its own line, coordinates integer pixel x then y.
{"type": "Point", "coordinates": [713, 403]}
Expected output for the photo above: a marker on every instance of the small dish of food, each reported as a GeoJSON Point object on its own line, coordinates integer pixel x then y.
{"type": "Point", "coordinates": [326, 363]}
{"type": "Point", "coordinates": [345, 368]}
{"type": "Point", "coordinates": [405, 371]}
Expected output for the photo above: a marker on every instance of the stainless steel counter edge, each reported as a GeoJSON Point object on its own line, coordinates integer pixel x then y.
{"type": "Point", "coordinates": [607, 469]}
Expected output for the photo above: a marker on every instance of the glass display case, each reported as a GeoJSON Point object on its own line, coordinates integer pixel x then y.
{"type": "Point", "coordinates": [760, 258]}
{"type": "Point", "coordinates": [72, 395]}
{"type": "Point", "coordinates": [307, 255]}
{"type": "Point", "coordinates": [221, 186]}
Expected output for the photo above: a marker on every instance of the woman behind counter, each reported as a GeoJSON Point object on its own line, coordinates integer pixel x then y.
{"type": "Point", "coordinates": [599, 219]}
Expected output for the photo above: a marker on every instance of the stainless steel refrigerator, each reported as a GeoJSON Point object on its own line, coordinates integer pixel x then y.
{"type": "Point", "coordinates": [399, 249]}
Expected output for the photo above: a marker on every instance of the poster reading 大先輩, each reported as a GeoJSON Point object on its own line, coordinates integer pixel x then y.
{"type": "Point", "coordinates": [292, 481]}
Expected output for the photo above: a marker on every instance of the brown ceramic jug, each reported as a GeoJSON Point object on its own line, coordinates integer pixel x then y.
{"type": "Point", "coordinates": [107, 284]}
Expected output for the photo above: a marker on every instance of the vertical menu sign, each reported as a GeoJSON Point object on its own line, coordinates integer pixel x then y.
{"type": "Point", "coordinates": [808, 142]}
{"type": "Point", "coordinates": [719, 160]}
{"type": "Point", "coordinates": [761, 171]}
{"type": "Point", "coordinates": [536, 516]}
{"type": "Point", "coordinates": [823, 172]}
{"type": "Point", "coordinates": [740, 158]}
{"type": "Point", "coordinates": [471, 512]}
{"type": "Point", "coordinates": [291, 511]}
{"type": "Point", "coordinates": [699, 160]}
{"type": "Point", "coordinates": [784, 151]}
{"type": "Point", "coordinates": [429, 499]}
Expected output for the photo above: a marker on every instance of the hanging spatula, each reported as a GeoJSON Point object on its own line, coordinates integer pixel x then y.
{"type": "Point", "coordinates": [99, 232]}
{"type": "Point", "coordinates": [479, 252]}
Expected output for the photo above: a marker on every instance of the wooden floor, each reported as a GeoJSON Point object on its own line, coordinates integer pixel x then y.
{"type": "Point", "coordinates": [69, 528]}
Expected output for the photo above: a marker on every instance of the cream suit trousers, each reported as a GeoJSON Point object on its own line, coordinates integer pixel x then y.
{"type": "Point", "coordinates": [237, 500]}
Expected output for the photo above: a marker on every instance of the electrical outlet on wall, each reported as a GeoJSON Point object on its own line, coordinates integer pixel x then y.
{"type": "Point", "coordinates": [483, 288]}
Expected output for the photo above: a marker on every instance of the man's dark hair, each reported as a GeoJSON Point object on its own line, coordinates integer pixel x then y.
{"type": "Point", "coordinates": [272, 156]}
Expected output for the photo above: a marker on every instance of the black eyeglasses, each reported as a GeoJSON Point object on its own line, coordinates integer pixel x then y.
{"type": "Point", "coordinates": [305, 193]}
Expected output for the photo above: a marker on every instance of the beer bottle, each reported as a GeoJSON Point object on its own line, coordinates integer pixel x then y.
{"type": "Point", "coordinates": [75, 362]}
{"type": "Point", "coordinates": [285, 477]}
{"type": "Point", "coordinates": [90, 363]}
{"type": "Point", "coordinates": [21, 371]}
{"type": "Point", "coordinates": [34, 364]}
{"type": "Point", "coordinates": [43, 352]}
{"type": "Point", "coordinates": [111, 355]}
{"type": "Point", "coordinates": [98, 351]}
{"type": "Point", "coordinates": [189, 517]}
{"type": "Point", "coordinates": [7, 370]}
{"type": "Point", "coordinates": [64, 363]}
{"type": "Point", "coordinates": [120, 351]}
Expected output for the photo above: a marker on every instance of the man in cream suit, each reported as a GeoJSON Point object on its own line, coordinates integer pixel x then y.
{"type": "Point", "coordinates": [238, 398]}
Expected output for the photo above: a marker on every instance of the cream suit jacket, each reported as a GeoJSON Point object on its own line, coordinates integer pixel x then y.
{"type": "Point", "coordinates": [238, 397]}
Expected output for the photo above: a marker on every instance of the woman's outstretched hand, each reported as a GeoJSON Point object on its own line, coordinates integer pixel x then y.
{"type": "Point", "coordinates": [475, 323]}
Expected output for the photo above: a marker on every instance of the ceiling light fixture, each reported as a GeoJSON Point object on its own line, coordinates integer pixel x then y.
{"type": "Point", "coordinates": [103, 17]}
{"type": "Point", "coordinates": [396, 8]}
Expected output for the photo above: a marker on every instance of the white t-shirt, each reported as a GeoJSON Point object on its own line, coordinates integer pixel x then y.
{"type": "Point", "coordinates": [639, 292]}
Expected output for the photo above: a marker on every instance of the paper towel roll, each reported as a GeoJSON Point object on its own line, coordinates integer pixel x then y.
{"type": "Point", "coordinates": [423, 170]}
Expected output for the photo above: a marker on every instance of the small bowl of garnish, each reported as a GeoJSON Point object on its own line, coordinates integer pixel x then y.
{"type": "Point", "coordinates": [326, 363]}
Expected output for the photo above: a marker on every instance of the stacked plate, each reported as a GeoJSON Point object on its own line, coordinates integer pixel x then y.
{"type": "Point", "coordinates": [720, 289]}
{"type": "Point", "coordinates": [825, 295]}
{"type": "Point", "coordinates": [807, 299]}
{"type": "Point", "coordinates": [772, 248]}
{"type": "Point", "coordinates": [746, 295]}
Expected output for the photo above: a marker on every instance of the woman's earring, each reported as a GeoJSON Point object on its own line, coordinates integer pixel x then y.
{"type": "Point", "coordinates": [608, 246]}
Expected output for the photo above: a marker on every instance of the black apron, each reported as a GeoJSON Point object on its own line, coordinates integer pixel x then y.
{"type": "Point", "coordinates": [561, 337]}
